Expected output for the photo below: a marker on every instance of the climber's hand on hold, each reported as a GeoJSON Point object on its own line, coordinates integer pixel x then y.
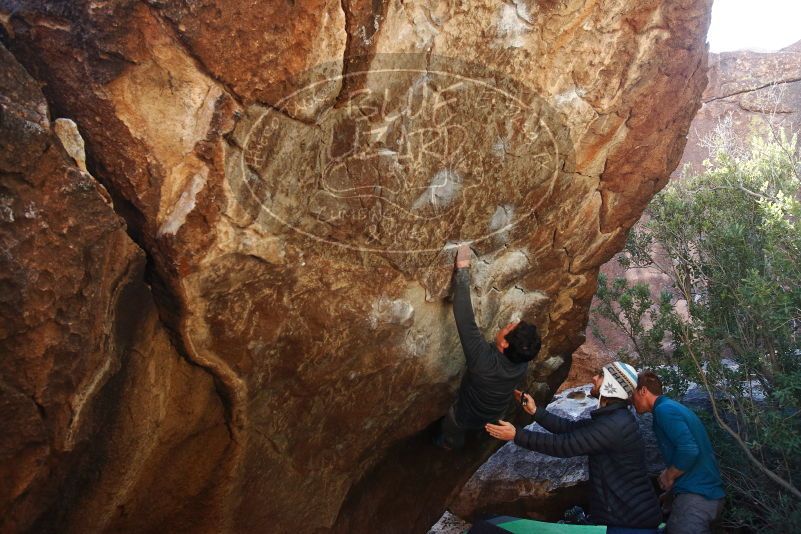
{"type": "Point", "coordinates": [463, 256]}
{"type": "Point", "coordinates": [504, 430]}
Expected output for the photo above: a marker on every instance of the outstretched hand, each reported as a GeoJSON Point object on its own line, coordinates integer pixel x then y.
{"type": "Point", "coordinates": [463, 256]}
{"type": "Point", "coordinates": [529, 405]}
{"type": "Point", "coordinates": [504, 430]}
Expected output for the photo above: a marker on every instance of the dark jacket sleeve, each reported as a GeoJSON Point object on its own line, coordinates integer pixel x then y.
{"type": "Point", "coordinates": [592, 438]}
{"type": "Point", "coordinates": [478, 353]}
{"type": "Point", "coordinates": [557, 425]}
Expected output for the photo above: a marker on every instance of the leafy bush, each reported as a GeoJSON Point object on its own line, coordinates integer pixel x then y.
{"type": "Point", "coordinates": [728, 244]}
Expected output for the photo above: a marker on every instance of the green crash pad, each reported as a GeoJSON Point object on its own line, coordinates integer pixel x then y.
{"type": "Point", "coordinates": [529, 526]}
{"type": "Point", "coordinates": [516, 525]}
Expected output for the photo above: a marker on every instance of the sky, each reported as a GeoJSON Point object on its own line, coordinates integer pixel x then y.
{"type": "Point", "coordinates": [760, 25]}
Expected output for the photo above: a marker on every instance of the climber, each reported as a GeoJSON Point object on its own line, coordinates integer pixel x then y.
{"type": "Point", "coordinates": [621, 495]}
{"type": "Point", "coordinates": [493, 370]}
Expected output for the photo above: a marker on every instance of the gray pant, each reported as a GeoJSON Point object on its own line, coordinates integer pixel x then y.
{"type": "Point", "coordinates": [693, 514]}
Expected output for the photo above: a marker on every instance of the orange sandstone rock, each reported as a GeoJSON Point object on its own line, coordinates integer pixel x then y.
{"type": "Point", "coordinates": [295, 173]}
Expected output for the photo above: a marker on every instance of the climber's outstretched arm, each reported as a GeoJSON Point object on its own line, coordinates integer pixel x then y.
{"type": "Point", "coordinates": [476, 349]}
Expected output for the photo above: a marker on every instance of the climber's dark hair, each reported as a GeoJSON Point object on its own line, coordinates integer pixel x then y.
{"type": "Point", "coordinates": [524, 343]}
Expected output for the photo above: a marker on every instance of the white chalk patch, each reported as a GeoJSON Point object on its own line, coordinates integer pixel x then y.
{"type": "Point", "coordinates": [423, 29]}
{"type": "Point", "coordinates": [388, 311]}
{"type": "Point", "coordinates": [514, 22]}
{"type": "Point", "coordinates": [454, 245]}
{"type": "Point", "coordinates": [501, 219]}
{"type": "Point", "coordinates": [415, 344]}
{"type": "Point", "coordinates": [501, 272]}
{"type": "Point", "coordinates": [553, 363]}
{"type": "Point", "coordinates": [185, 204]}
{"type": "Point", "coordinates": [500, 147]}
{"type": "Point", "coordinates": [443, 190]}
{"type": "Point", "coordinates": [571, 97]}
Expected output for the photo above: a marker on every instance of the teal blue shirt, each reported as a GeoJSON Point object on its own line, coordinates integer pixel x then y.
{"type": "Point", "coordinates": [685, 445]}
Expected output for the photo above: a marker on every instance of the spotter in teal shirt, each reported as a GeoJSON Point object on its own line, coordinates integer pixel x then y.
{"type": "Point", "coordinates": [685, 445]}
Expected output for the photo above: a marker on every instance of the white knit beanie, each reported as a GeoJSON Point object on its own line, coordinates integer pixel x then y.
{"type": "Point", "coordinates": [620, 380]}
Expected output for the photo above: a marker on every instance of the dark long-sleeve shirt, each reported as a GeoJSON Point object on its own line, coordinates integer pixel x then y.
{"type": "Point", "coordinates": [620, 492]}
{"type": "Point", "coordinates": [488, 385]}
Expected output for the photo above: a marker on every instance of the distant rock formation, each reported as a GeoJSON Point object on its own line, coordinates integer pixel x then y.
{"type": "Point", "coordinates": [266, 345]}
{"type": "Point", "coordinates": [749, 92]}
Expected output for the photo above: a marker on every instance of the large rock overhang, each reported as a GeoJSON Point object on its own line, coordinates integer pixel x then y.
{"type": "Point", "coordinates": [296, 175]}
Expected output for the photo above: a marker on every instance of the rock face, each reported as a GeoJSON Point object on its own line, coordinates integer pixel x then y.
{"type": "Point", "coordinates": [587, 361]}
{"type": "Point", "coordinates": [523, 483]}
{"type": "Point", "coordinates": [295, 174]}
{"type": "Point", "coordinates": [94, 399]}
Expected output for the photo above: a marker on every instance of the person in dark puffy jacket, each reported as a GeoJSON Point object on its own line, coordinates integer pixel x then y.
{"type": "Point", "coordinates": [621, 495]}
{"type": "Point", "coordinates": [494, 370]}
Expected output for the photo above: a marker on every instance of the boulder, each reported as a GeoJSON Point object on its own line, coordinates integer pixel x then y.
{"type": "Point", "coordinates": [449, 524]}
{"type": "Point", "coordinates": [297, 174]}
{"type": "Point", "coordinates": [101, 414]}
